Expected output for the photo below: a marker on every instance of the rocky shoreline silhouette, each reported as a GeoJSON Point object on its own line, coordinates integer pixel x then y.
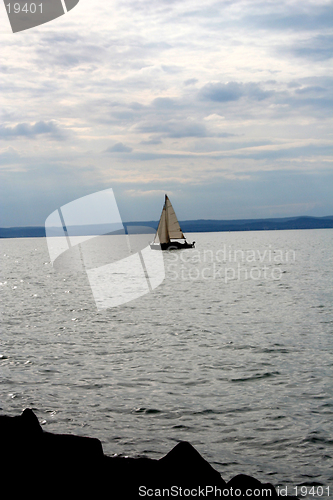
{"type": "Point", "coordinates": [69, 466]}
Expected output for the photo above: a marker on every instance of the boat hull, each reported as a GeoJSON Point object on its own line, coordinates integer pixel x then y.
{"type": "Point", "coordinates": [172, 245]}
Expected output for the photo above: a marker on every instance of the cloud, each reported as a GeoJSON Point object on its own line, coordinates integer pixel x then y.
{"type": "Point", "coordinates": [290, 17]}
{"type": "Point", "coordinates": [152, 141]}
{"type": "Point", "coordinates": [317, 48]}
{"type": "Point", "coordinates": [308, 97]}
{"type": "Point", "coordinates": [292, 152]}
{"type": "Point", "coordinates": [221, 92]}
{"type": "Point", "coordinates": [31, 131]}
{"type": "Point", "coordinates": [119, 147]}
{"type": "Point", "coordinates": [53, 50]}
{"type": "Point", "coordinates": [174, 129]}
{"type": "Point", "coordinates": [191, 81]}
{"type": "Point", "coordinates": [310, 89]}
{"type": "Point", "coordinates": [179, 95]}
{"type": "Point", "coordinates": [172, 69]}
{"type": "Point", "coordinates": [9, 156]}
{"type": "Point", "coordinates": [233, 91]}
{"type": "Point", "coordinates": [165, 103]}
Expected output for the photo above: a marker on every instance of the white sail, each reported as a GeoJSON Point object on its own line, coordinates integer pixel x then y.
{"type": "Point", "coordinates": [168, 227]}
{"type": "Point", "coordinates": [162, 235]}
{"type": "Point", "coordinates": [174, 230]}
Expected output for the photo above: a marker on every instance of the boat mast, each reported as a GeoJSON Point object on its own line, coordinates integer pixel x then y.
{"type": "Point", "coordinates": [166, 216]}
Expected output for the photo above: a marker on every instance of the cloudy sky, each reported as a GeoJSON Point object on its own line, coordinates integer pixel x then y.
{"type": "Point", "coordinates": [225, 105]}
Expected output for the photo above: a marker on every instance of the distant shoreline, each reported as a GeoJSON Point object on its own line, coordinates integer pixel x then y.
{"type": "Point", "coordinates": [191, 226]}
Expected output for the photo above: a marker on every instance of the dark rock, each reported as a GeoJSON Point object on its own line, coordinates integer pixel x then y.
{"type": "Point", "coordinates": [66, 466]}
{"type": "Point", "coordinates": [245, 483]}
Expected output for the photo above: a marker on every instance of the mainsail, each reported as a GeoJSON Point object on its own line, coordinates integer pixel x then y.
{"type": "Point", "coordinates": [168, 227]}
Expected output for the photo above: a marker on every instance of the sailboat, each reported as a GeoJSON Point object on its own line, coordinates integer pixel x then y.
{"type": "Point", "coordinates": [169, 235]}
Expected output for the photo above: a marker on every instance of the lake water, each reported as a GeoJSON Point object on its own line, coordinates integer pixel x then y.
{"type": "Point", "coordinates": [232, 352]}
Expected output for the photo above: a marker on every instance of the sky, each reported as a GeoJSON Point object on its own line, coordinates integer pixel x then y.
{"type": "Point", "coordinates": [225, 105]}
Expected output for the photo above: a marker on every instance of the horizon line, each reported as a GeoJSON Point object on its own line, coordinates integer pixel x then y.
{"type": "Point", "coordinates": [192, 220]}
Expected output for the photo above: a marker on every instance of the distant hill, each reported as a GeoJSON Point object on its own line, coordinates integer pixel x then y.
{"type": "Point", "coordinates": [22, 232]}
{"type": "Point", "coordinates": [303, 222]}
{"type": "Point", "coordinates": [196, 226]}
